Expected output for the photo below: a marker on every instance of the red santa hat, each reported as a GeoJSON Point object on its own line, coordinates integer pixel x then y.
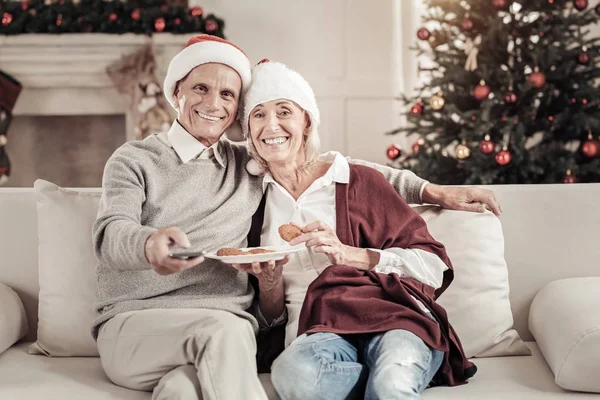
{"type": "Point", "coordinates": [204, 49]}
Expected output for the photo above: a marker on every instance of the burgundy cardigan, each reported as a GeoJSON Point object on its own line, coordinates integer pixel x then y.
{"type": "Point", "coordinates": [347, 300]}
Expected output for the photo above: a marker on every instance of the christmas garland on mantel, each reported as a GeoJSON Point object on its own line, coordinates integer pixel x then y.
{"type": "Point", "coordinates": [102, 16]}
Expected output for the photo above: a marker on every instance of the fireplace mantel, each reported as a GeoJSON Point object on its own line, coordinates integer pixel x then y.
{"type": "Point", "coordinates": [66, 74]}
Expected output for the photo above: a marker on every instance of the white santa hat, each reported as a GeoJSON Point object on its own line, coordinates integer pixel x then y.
{"type": "Point", "coordinates": [272, 81]}
{"type": "Point", "coordinates": [204, 49]}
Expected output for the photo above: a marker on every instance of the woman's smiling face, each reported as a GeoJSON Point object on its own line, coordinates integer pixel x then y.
{"type": "Point", "coordinates": [278, 129]}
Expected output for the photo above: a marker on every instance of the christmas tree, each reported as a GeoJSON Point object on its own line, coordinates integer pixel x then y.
{"type": "Point", "coordinates": [511, 95]}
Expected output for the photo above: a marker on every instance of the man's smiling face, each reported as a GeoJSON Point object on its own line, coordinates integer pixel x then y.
{"type": "Point", "coordinates": [207, 101]}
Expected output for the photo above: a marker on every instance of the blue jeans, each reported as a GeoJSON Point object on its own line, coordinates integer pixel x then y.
{"type": "Point", "coordinates": [392, 365]}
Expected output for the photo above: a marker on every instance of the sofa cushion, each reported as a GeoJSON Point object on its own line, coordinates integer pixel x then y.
{"type": "Point", "coordinates": [477, 300]}
{"type": "Point", "coordinates": [66, 271]}
{"type": "Point", "coordinates": [498, 378]}
{"type": "Point", "coordinates": [565, 321]}
{"type": "Point", "coordinates": [13, 321]}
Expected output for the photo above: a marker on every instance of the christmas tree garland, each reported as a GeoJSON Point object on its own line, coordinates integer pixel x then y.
{"type": "Point", "coordinates": [100, 16]}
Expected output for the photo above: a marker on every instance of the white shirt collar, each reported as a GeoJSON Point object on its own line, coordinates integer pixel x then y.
{"type": "Point", "coordinates": [338, 172]}
{"type": "Point", "coordinates": [188, 147]}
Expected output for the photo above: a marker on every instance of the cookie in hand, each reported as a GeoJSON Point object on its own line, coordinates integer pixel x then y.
{"type": "Point", "coordinates": [289, 232]}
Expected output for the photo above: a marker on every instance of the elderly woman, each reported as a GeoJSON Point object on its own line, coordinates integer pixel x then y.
{"type": "Point", "coordinates": [361, 296]}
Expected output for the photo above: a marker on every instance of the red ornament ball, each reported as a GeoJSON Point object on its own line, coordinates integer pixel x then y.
{"type": "Point", "coordinates": [59, 20]}
{"type": "Point", "coordinates": [598, 9]}
{"type": "Point", "coordinates": [113, 17]}
{"type": "Point", "coordinates": [590, 148]}
{"type": "Point", "coordinates": [6, 19]}
{"type": "Point", "coordinates": [537, 79]}
{"type": "Point", "coordinates": [500, 4]}
{"type": "Point", "coordinates": [503, 157]}
{"type": "Point", "coordinates": [177, 21]}
{"type": "Point", "coordinates": [393, 152]}
{"type": "Point", "coordinates": [164, 9]}
{"type": "Point", "coordinates": [416, 147]}
{"type": "Point", "coordinates": [486, 146]}
{"type": "Point", "coordinates": [136, 14]}
{"type": "Point", "coordinates": [583, 58]}
{"type": "Point", "coordinates": [423, 34]}
{"type": "Point", "coordinates": [197, 11]}
{"type": "Point", "coordinates": [466, 24]}
{"type": "Point", "coordinates": [25, 5]}
{"type": "Point", "coordinates": [481, 91]}
{"type": "Point", "coordinates": [211, 26]}
{"type": "Point", "coordinates": [581, 4]}
{"type": "Point", "coordinates": [510, 98]}
{"type": "Point", "coordinates": [417, 109]}
{"type": "Point", "coordinates": [160, 24]}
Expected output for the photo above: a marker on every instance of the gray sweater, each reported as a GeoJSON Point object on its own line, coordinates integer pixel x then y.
{"type": "Point", "coordinates": [146, 187]}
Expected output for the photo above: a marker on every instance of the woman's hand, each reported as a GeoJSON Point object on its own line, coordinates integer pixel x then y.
{"type": "Point", "coordinates": [269, 273]}
{"type": "Point", "coordinates": [322, 239]}
{"type": "Point", "coordinates": [270, 285]}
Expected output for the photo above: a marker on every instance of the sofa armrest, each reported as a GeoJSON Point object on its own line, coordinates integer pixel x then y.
{"type": "Point", "coordinates": [13, 320]}
{"type": "Point", "coordinates": [565, 322]}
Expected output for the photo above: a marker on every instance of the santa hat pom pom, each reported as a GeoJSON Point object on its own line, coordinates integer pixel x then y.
{"type": "Point", "coordinates": [254, 168]}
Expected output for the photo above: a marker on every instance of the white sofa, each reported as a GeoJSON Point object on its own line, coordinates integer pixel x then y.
{"type": "Point", "coordinates": [552, 232]}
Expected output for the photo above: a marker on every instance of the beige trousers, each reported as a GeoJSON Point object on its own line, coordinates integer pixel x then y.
{"type": "Point", "coordinates": [182, 354]}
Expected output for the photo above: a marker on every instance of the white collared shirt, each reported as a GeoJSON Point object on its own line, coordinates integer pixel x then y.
{"type": "Point", "coordinates": [188, 147]}
{"type": "Point", "coordinates": [317, 203]}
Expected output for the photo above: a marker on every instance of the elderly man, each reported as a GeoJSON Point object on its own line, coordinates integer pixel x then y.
{"type": "Point", "coordinates": [186, 328]}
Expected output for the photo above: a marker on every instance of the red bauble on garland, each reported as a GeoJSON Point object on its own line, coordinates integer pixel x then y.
{"type": "Point", "coordinates": [537, 79]}
{"type": "Point", "coordinates": [6, 19]}
{"type": "Point", "coordinates": [598, 9]}
{"type": "Point", "coordinates": [136, 14]}
{"type": "Point", "coordinates": [160, 24]}
{"type": "Point", "coordinates": [211, 26]}
{"type": "Point", "coordinates": [393, 152]}
{"type": "Point", "coordinates": [500, 4]}
{"type": "Point", "coordinates": [487, 146]}
{"type": "Point", "coordinates": [481, 91]}
{"type": "Point", "coordinates": [423, 34]}
{"type": "Point", "coordinates": [113, 17]}
{"type": "Point", "coordinates": [503, 157]}
{"type": "Point", "coordinates": [196, 11]}
{"type": "Point", "coordinates": [581, 4]}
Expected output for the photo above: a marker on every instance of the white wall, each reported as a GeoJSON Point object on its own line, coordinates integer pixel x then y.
{"type": "Point", "coordinates": [349, 50]}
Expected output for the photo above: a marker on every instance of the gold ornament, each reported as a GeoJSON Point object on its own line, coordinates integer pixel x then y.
{"type": "Point", "coordinates": [462, 151]}
{"type": "Point", "coordinates": [437, 102]}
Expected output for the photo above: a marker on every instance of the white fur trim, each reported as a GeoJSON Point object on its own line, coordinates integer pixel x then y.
{"type": "Point", "coordinates": [254, 168]}
{"type": "Point", "coordinates": [204, 53]}
{"type": "Point", "coordinates": [274, 80]}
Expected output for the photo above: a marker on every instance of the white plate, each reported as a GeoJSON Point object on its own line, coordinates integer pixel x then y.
{"type": "Point", "coordinates": [280, 252]}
